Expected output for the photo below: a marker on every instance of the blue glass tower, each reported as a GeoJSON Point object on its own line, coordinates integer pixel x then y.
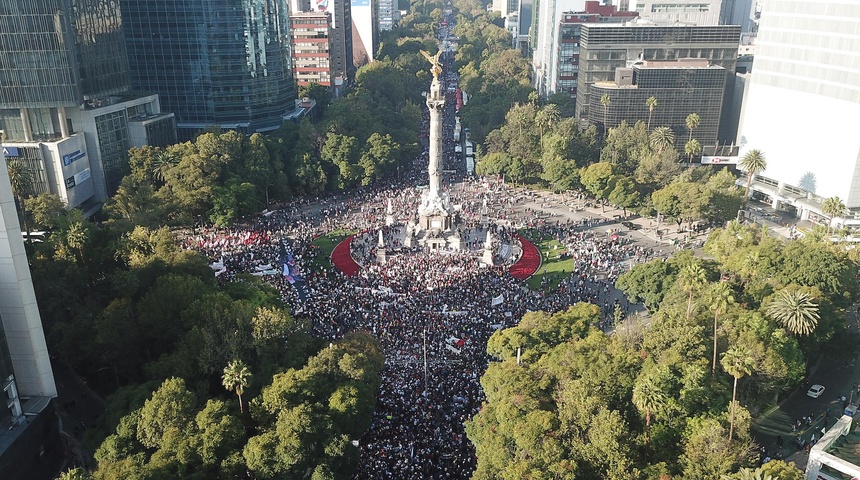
{"type": "Point", "coordinates": [213, 62]}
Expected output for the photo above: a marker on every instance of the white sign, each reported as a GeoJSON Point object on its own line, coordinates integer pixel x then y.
{"type": "Point", "coordinates": [729, 160]}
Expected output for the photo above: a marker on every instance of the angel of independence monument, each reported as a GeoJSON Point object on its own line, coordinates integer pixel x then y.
{"type": "Point", "coordinates": [435, 213]}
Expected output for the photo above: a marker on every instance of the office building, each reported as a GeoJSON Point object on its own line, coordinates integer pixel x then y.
{"type": "Point", "coordinates": [30, 442]}
{"type": "Point", "coordinates": [505, 7]}
{"type": "Point", "coordinates": [692, 12]}
{"type": "Point", "coordinates": [739, 12]}
{"type": "Point", "coordinates": [802, 107]}
{"type": "Point", "coordinates": [388, 14]}
{"type": "Point", "coordinates": [223, 63]}
{"type": "Point", "coordinates": [544, 36]}
{"type": "Point", "coordinates": [682, 87]}
{"type": "Point", "coordinates": [365, 31]}
{"type": "Point", "coordinates": [606, 47]}
{"type": "Point", "coordinates": [311, 33]}
{"type": "Point", "coordinates": [63, 78]}
{"type": "Point", "coordinates": [565, 70]}
{"type": "Point", "coordinates": [340, 33]}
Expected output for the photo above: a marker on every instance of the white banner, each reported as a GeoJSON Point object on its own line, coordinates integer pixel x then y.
{"type": "Point", "coordinates": [498, 300]}
{"type": "Point", "coordinates": [729, 160]}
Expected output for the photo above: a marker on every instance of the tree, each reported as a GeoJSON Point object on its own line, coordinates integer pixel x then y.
{"type": "Point", "coordinates": [662, 138]}
{"type": "Point", "coordinates": [545, 118]}
{"type": "Point", "coordinates": [622, 193]}
{"type": "Point", "coordinates": [46, 209]}
{"type": "Point", "coordinates": [692, 122]}
{"type": "Point", "coordinates": [795, 310]}
{"type": "Point", "coordinates": [720, 298]}
{"type": "Point", "coordinates": [692, 278]}
{"type": "Point", "coordinates": [651, 103]}
{"type": "Point", "coordinates": [737, 362]}
{"type": "Point", "coordinates": [752, 163]}
{"type": "Point", "coordinates": [834, 208]}
{"type": "Point", "coordinates": [235, 379]}
{"type": "Point", "coordinates": [318, 92]}
{"type": "Point", "coordinates": [692, 148]}
{"type": "Point", "coordinates": [648, 398]}
{"type": "Point", "coordinates": [605, 100]}
{"type": "Point", "coordinates": [75, 474]}
{"type": "Point", "coordinates": [21, 179]}
{"type": "Point", "coordinates": [597, 178]}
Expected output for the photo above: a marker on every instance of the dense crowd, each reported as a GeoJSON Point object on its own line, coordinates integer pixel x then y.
{"type": "Point", "coordinates": [433, 312]}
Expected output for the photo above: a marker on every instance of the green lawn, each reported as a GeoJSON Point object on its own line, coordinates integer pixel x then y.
{"type": "Point", "coordinates": [556, 270]}
{"type": "Point", "coordinates": [326, 244]}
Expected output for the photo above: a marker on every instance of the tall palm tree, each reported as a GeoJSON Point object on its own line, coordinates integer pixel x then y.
{"type": "Point", "coordinates": [651, 103]}
{"type": "Point", "coordinates": [693, 278]}
{"type": "Point", "coordinates": [753, 162]}
{"type": "Point", "coordinates": [692, 148]}
{"type": "Point", "coordinates": [833, 207]}
{"type": "Point", "coordinates": [737, 362]}
{"type": "Point", "coordinates": [795, 310]}
{"type": "Point", "coordinates": [605, 100]}
{"type": "Point", "coordinates": [720, 298]}
{"type": "Point", "coordinates": [235, 379]}
{"type": "Point", "coordinates": [693, 120]}
{"type": "Point", "coordinates": [661, 138]}
{"type": "Point", "coordinates": [648, 398]}
{"type": "Point", "coordinates": [21, 179]}
{"type": "Point", "coordinates": [545, 118]}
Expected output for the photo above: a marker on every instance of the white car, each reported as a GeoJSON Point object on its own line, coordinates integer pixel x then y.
{"type": "Point", "coordinates": [815, 391]}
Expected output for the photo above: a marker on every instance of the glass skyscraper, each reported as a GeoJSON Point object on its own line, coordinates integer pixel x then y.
{"type": "Point", "coordinates": [213, 62]}
{"type": "Point", "coordinates": [57, 53]}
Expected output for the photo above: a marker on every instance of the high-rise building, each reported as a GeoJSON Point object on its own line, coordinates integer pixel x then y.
{"type": "Point", "coordinates": [311, 33]}
{"type": "Point", "coordinates": [30, 442]}
{"type": "Point", "coordinates": [63, 77]}
{"type": "Point", "coordinates": [365, 31]}
{"type": "Point", "coordinates": [606, 47]}
{"type": "Point", "coordinates": [739, 12]}
{"type": "Point", "coordinates": [543, 37]}
{"type": "Point", "coordinates": [388, 14]}
{"type": "Point", "coordinates": [222, 63]}
{"type": "Point", "coordinates": [695, 12]}
{"type": "Point", "coordinates": [802, 106]}
{"type": "Point", "coordinates": [682, 87]}
{"type": "Point", "coordinates": [565, 71]}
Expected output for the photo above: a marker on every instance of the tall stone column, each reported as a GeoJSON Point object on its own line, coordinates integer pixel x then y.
{"type": "Point", "coordinates": [436, 105]}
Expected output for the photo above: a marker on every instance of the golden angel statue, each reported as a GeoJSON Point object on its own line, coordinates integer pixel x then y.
{"type": "Point", "coordinates": [434, 60]}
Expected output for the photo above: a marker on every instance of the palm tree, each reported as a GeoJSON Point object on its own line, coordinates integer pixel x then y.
{"type": "Point", "coordinates": [795, 310]}
{"type": "Point", "coordinates": [737, 362]}
{"type": "Point", "coordinates": [692, 148]}
{"type": "Point", "coordinates": [833, 207]}
{"type": "Point", "coordinates": [648, 398]}
{"type": "Point", "coordinates": [605, 100]}
{"type": "Point", "coordinates": [21, 179]}
{"type": "Point", "coordinates": [749, 474]}
{"type": "Point", "coordinates": [692, 122]}
{"type": "Point", "coordinates": [753, 162]}
{"type": "Point", "coordinates": [692, 277]}
{"type": "Point", "coordinates": [720, 297]}
{"type": "Point", "coordinates": [545, 118]}
{"type": "Point", "coordinates": [661, 138]}
{"type": "Point", "coordinates": [235, 379]}
{"type": "Point", "coordinates": [651, 103]}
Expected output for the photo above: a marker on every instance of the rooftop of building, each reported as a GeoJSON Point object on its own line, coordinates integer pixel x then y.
{"type": "Point", "coordinates": [13, 428]}
{"type": "Point", "coordinates": [101, 102]}
{"type": "Point", "coordinates": [640, 22]}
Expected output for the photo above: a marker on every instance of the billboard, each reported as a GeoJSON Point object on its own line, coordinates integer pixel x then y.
{"type": "Point", "coordinates": [728, 160]}
{"type": "Point", "coordinates": [325, 6]}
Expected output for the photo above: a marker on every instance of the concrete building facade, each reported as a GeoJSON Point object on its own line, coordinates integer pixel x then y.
{"type": "Point", "coordinates": [311, 33]}
{"type": "Point", "coordinates": [802, 106]}
{"type": "Point", "coordinates": [693, 12]}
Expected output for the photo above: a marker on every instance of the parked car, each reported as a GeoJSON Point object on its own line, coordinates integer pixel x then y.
{"type": "Point", "coordinates": [629, 225]}
{"type": "Point", "coordinates": [815, 391]}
